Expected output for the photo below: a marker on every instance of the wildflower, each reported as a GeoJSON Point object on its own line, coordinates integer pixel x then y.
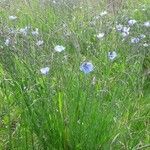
{"type": "Point", "coordinates": [142, 36]}
{"type": "Point", "coordinates": [59, 48]}
{"type": "Point", "coordinates": [145, 45]}
{"type": "Point", "coordinates": [7, 42]}
{"type": "Point", "coordinates": [103, 13]}
{"type": "Point", "coordinates": [112, 55]}
{"type": "Point", "coordinates": [54, 1]}
{"type": "Point", "coordinates": [96, 17]}
{"type": "Point", "coordinates": [44, 70]}
{"type": "Point", "coordinates": [24, 31]}
{"type": "Point", "coordinates": [147, 24]}
{"type": "Point", "coordinates": [124, 34]}
{"type": "Point", "coordinates": [36, 32]}
{"type": "Point", "coordinates": [12, 17]}
{"type": "Point", "coordinates": [12, 31]}
{"type": "Point", "coordinates": [135, 40]}
{"type": "Point", "coordinates": [119, 27]}
{"type": "Point", "coordinates": [87, 67]}
{"type": "Point", "coordinates": [39, 43]}
{"type": "Point", "coordinates": [125, 31]}
{"type": "Point", "coordinates": [131, 22]}
{"type": "Point", "coordinates": [100, 35]}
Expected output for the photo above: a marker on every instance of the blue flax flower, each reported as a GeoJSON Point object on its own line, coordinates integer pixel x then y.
{"type": "Point", "coordinates": [87, 67]}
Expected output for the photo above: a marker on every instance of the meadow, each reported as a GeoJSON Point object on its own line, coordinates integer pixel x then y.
{"type": "Point", "coordinates": [74, 75]}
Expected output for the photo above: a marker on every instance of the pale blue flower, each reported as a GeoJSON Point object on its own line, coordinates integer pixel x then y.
{"type": "Point", "coordinates": [44, 70]}
{"type": "Point", "coordinates": [12, 31]}
{"type": "Point", "coordinates": [112, 55]}
{"type": "Point", "coordinates": [24, 31]}
{"type": "Point", "coordinates": [119, 27]}
{"type": "Point", "coordinates": [36, 32]}
{"type": "Point", "coordinates": [39, 43]}
{"type": "Point", "coordinates": [59, 48]}
{"type": "Point", "coordinates": [135, 40]}
{"type": "Point", "coordinates": [87, 67]}
{"type": "Point", "coordinates": [125, 31]}
{"type": "Point", "coordinates": [142, 36]}
{"type": "Point", "coordinates": [100, 35]}
{"type": "Point", "coordinates": [147, 24]}
{"type": "Point", "coordinates": [12, 17]}
{"type": "Point", "coordinates": [54, 1]}
{"type": "Point", "coordinates": [7, 42]}
{"type": "Point", "coordinates": [145, 45]}
{"type": "Point", "coordinates": [125, 34]}
{"type": "Point", "coordinates": [103, 13]}
{"type": "Point", "coordinates": [131, 22]}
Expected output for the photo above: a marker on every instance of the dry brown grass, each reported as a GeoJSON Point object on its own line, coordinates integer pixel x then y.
{"type": "Point", "coordinates": [114, 5]}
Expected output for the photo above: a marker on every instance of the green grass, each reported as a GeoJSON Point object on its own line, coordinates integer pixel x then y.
{"type": "Point", "coordinates": [67, 109]}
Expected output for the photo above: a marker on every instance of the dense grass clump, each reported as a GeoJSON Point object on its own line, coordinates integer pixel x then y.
{"type": "Point", "coordinates": [74, 75]}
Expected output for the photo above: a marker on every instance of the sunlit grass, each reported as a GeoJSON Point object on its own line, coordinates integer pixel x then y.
{"type": "Point", "coordinates": [87, 98]}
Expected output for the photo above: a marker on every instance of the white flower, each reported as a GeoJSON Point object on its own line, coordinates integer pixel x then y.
{"type": "Point", "coordinates": [36, 32]}
{"type": "Point", "coordinates": [39, 43]}
{"type": "Point", "coordinates": [12, 31]}
{"type": "Point", "coordinates": [100, 35]}
{"type": "Point", "coordinates": [54, 1]}
{"type": "Point", "coordinates": [124, 34]}
{"type": "Point", "coordinates": [96, 17]}
{"type": "Point", "coordinates": [44, 70]}
{"type": "Point", "coordinates": [145, 45]}
{"type": "Point", "coordinates": [125, 31]}
{"type": "Point", "coordinates": [24, 31]}
{"type": "Point", "coordinates": [103, 13]}
{"type": "Point", "coordinates": [135, 40]}
{"type": "Point", "coordinates": [132, 22]}
{"type": "Point", "coordinates": [142, 36]}
{"type": "Point", "coordinates": [119, 27]}
{"type": "Point", "coordinates": [147, 24]}
{"type": "Point", "coordinates": [112, 55]}
{"type": "Point", "coordinates": [59, 48]}
{"type": "Point", "coordinates": [12, 17]}
{"type": "Point", "coordinates": [7, 42]}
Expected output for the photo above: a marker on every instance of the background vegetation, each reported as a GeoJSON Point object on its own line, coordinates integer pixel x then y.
{"type": "Point", "coordinates": [67, 109]}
